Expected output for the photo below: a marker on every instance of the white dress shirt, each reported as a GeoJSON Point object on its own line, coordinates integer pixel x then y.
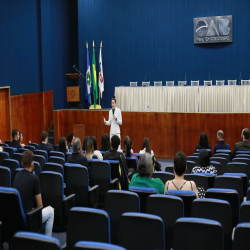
{"type": "Point", "coordinates": [115, 124]}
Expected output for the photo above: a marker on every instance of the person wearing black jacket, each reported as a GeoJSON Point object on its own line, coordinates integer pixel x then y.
{"type": "Point", "coordinates": [15, 143]}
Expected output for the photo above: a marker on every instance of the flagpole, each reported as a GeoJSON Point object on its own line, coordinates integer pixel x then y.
{"type": "Point", "coordinates": [99, 87]}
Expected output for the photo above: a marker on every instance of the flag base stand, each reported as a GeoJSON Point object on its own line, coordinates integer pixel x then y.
{"type": "Point", "coordinates": [96, 107]}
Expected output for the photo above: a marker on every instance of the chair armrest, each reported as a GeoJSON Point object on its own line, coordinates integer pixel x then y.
{"type": "Point", "coordinates": [68, 203]}
{"type": "Point", "coordinates": [93, 196]}
{"type": "Point", "coordinates": [114, 184]}
{"type": "Point", "coordinates": [34, 220]}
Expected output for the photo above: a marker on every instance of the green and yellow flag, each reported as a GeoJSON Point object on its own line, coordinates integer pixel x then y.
{"type": "Point", "coordinates": [94, 77]}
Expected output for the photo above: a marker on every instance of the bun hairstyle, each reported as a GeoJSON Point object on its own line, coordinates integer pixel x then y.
{"type": "Point", "coordinates": [113, 98]}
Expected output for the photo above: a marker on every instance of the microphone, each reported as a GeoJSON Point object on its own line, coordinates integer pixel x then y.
{"type": "Point", "coordinates": [113, 111]}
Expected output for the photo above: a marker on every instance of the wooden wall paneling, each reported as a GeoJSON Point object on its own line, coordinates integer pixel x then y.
{"type": "Point", "coordinates": [47, 109]}
{"type": "Point", "coordinates": [5, 109]}
{"type": "Point", "coordinates": [79, 130]}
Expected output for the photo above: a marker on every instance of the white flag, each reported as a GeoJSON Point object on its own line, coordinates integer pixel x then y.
{"type": "Point", "coordinates": [100, 77]}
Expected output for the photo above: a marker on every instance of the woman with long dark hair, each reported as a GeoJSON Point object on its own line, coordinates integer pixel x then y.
{"type": "Point", "coordinates": [127, 148]}
{"type": "Point", "coordinates": [105, 143]}
{"type": "Point", "coordinates": [63, 147]}
{"type": "Point", "coordinates": [96, 152]}
{"type": "Point", "coordinates": [146, 147]}
{"type": "Point", "coordinates": [203, 143]}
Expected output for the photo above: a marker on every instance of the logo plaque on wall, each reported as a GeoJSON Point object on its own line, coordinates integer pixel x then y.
{"type": "Point", "coordinates": [215, 29]}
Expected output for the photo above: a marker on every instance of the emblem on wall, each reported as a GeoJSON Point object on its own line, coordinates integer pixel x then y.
{"type": "Point", "coordinates": [216, 29]}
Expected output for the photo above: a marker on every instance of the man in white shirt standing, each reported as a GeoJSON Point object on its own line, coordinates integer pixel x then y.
{"type": "Point", "coordinates": [115, 119]}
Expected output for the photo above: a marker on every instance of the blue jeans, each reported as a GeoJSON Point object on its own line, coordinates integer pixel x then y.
{"type": "Point", "coordinates": [48, 219]}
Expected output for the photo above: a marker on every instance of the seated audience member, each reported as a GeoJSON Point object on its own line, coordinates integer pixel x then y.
{"type": "Point", "coordinates": [143, 177]}
{"type": "Point", "coordinates": [179, 183]}
{"type": "Point", "coordinates": [70, 139]}
{"type": "Point", "coordinates": [105, 143]}
{"type": "Point", "coordinates": [204, 166]}
{"type": "Point", "coordinates": [15, 142]}
{"type": "Point", "coordinates": [96, 152]}
{"type": "Point", "coordinates": [77, 156]}
{"type": "Point", "coordinates": [28, 186]}
{"type": "Point", "coordinates": [63, 147]}
{"type": "Point", "coordinates": [146, 147]}
{"type": "Point", "coordinates": [85, 142]}
{"type": "Point", "coordinates": [44, 141]}
{"type": "Point", "coordinates": [21, 139]}
{"type": "Point", "coordinates": [221, 142]}
{"type": "Point", "coordinates": [245, 144]}
{"type": "Point", "coordinates": [203, 143]}
{"type": "Point", "coordinates": [127, 144]}
{"type": "Point", "coordinates": [89, 152]}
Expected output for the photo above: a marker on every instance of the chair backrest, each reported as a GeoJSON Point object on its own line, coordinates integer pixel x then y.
{"type": "Point", "coordinates": [57, 153]}
{"type": "Point", "coordinates": [41, 160]}
{"type": "Point", "coordinates": [218, 210]}
{"type": "Point", "coordinates": [54, 167]}
{"type": "Point", "coordinates": [241, 236]}
{"type": "Point", "coordinates": [5, 177]}
{"type": "Point", "coordinates": [131, 163]}
{"type": "Point", "coordinates": [208, 83]}
{"type": "Point", "coordinates": [96, 246]}
{"type": "Point", "coordinates": [30, 147]}
{"type": "Point", "coordinates": [164, 176]}
{"type": "Point", "coordinates": [244, 212]}
{"type": "Point", "coordinates": [42, 153]}
{"type": "Point", "coordinates": [169, 168]}
{"type": "Point", "coordinates": [245, 82]}
{"type": "Point", "coordinates": [190, 166]}
{"type": "Point", "coordinates": [52, 193]}
{"type": "Point", "coordinates": [133, 84]}
{"type": "Point", "coordinates": [145, 84]}
{"type": "Point", "coordinates": [18, 157]}
{"type": "Point", "coordinates": [143, 193]}
{"type": "Point", "coordinates": [29, 241]}
{"type": "Point", "coordinates": [157, 83]}
{"type": "Point", "coordinates": [195, 83]}
{"type": "Point", "coordinates": [33, 144]}
{"type": "Point", "coordinates": [169, 83]}
{"type": "Point", "coordinates": [8, 142]}
{"type": "Point", "coordinates": [218, 167]}
{"type": "Point", "coordinates": [187, 197]}
{"type": "Point", "coordinates": [37, 168]}
{"type": "Point", "coordinates": [237, 167]}
{"type": "Point", "coordinates": [220, 82]}
{"type": "Point", "coordinates": [222, 161]}
{"type": "Point", "coordinates": [248, 194]}
{"type": "Point", "coordinates": [229, 195]}
{"type": "Point", "coordinates": [77, 182]}
{"type": "Point", "coordinates": [151, 228]}
{"type": "Point", "coordinates": [200, 180]}
{"type": "Point", "coordinates": [118, 202]}
{"type": "Point", "coordinates": [87, 224]}
{"type": "Point", "coordinates": [208, 232]}
{"type": "Point", "coordinates": [243, 160]}
{"type": "Point", "coordinates": [231, 82]}
{"type": "Point", "coordinates": [169, 208]}
{"type": "Point", "coordinates": [210, 177]}
{"type": "Point", "coordinates": [194, 159]}
{"type": "Point", "coordinates": [4, 145]}
{"type": "Point", "coordinates": [182, 83]}
{"type": "Point", "coordinates": [3, 155]}
{"type": "Point", "coordinates": [56, 159]}
{"type": "Point", "coordinates": [11, 213]}
{"type": "Point", "coordinates": [242, 156]}
{"type": "Point", "coordinates": [223, 155]}
{"type": "Point", "coordinates": [12, 165]}
{"type": "Point", "coordinates": [21, 150]}
{"type": "Point", "coordinates": [243, 152]}
{"type": "Point", "coordinates": [10, 150]}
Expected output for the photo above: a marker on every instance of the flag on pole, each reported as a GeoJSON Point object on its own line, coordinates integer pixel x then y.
{"type": "Point", "coordinates": [101, 77]}
{"type": "Point", "coordinates": [94, 80]}
{"type": "Point", "coordinates": [88, 79]}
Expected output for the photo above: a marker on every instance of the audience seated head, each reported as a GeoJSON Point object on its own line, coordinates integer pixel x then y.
{"type": "Point", "coordinates": [146, 145]}
{"type": "Point", "coordinates": [105, 142]}
{"type": "Point", "coordinates": [204, 158]}
{"type": "Point", "coordinates": [127, 144]}
{"type": "Point", "coordinates": [44, 137]}
{"type": "Point", "coordinates": [93, 138]}
{"type": "Point", "coordinates": [20, 137]}
{"type": "Point", "coordinates": [115, 142]}
{"type": "Point", "coordinates": [89, 149]}
{"type": "Point", "coordinates": [28, 160]}
{"type": "Point", "coordinates": [63, 145]}
{"type": "Point", "coordinates": [220, 135]}
{"type": "Point", "coordinates": [70, 138]}
{"type": "Point", "coordinates": [145, 165]}
{"type": "Point", "coordinates": [204, 140]}
{"type": "Point", "coordinates": [180, 164]}
{"type": "Point", "coordinates": [15, 134]}
{"type": "Point", "coordinates": [85, 142]}
{"type": "Point", "coordinates": [76, 145]}
{"type": "Point", "coordinates": [245, 134]}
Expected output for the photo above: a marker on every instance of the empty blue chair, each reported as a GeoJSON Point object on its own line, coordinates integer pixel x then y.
{"type": "Point", "coordinates": [10, 150]}
{"type": "Point", "coordinates": [87, 224]}
{"type": "Point", "coordinates": [5, 177]}
{"type": "Point", "coordinates": [37, 168]}
{"type": "Point", "coordinates": [187, 197]}
{"type": "Point", "coordinates": [223, 155]}
{"type": "Point", "coordinates": [42, 152]}
{"type": "Point", "coordinates": [242, 152]}
{"type": "Point", "coordinates": [31, 241]}
{"type": "Point", "coordinates": [244, 212]}
{"type": "Point", "coordinates": [210, 177]}
{"type": "Point", "coordinates": [244, 178]}
{"type": "Point", "coordinates": [33, 144]}
{"type": "Point", "coordinates": [41, 160]}
{"type": "Point", "coordinates": [241, 237]}
{"type": "Point", "coordinates": [242, 156]}
{"type": "Point", "coordinates": [145, 231]}
{"type": "Point", "coordinates": [169, 168]}
{"type": "Point", "coordinates": [3, 155]}
{"type": "Point", "coordinates": [21, 150]}
{"type": "Point", "coordinates": [195, 233]}
{"type": "Point", "coordinates": [164, 176]}
{"type": "Point", "coordinates": [143, 193]}
{"type": "Point", "coordinates": [169, 208]}
{"type": "Point", "coordinates": [57, 159]}
{"type": "Point", "coordinates": [190, 166]}
{"type": "Point", "coordinates": [30, 147]}
{"type": "Point", "coordinates": [12, 165]}
{"type": "Point", "coordinates": [8, 142]}
{"type": "Point", "coordinates": [13, 217]}
{"type": "Point", "coordinates": [222, 161]}
{"type": "Point", "coordinates": [57, 153]}
{"type": "Point", "coordinates": [200, 180]}
{"type": "Point", "coordinates": [18, 157]}
{"type": "Point", "coordinates": [96, 246]}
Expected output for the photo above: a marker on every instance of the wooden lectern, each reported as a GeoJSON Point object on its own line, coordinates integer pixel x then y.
{"type": "Point", "coordinates": [73, 92]}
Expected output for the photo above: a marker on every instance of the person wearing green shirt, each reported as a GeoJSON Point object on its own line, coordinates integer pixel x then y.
{"type": "Point", "coordinates": [143, 177]}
